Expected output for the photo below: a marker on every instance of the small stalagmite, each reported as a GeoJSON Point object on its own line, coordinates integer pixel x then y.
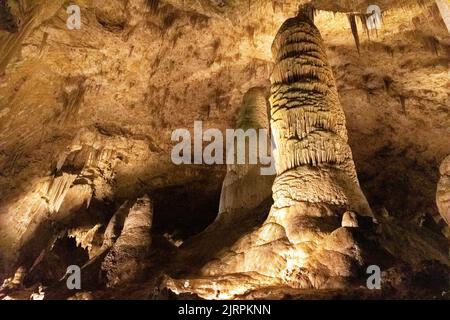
{"type": "Point", "coordinates": [14, 282]}
{"type": "Point", "coordinates": [125, 262]}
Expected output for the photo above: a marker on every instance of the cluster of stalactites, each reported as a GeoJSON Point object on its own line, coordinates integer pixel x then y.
{"type": "Point", "coordinates": [7, 20]}
{"type": "Point", "coordinates": [306, 117]}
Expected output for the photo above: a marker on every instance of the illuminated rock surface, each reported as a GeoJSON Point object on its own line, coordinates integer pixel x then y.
{"type": "Point", "coordinates": [300, 244]}
{"type": "Point", "coordinates": [443, 196]}
{"type": "Point", "coordinates": [86, 118]}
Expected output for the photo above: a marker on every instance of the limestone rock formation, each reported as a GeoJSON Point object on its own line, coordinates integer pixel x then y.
{"type": "Point", "coordinates": [246, 190]}
{"type": "Point", "coordinates": [14, 282]}
{"type": "Point", "coordinates": [115, 226]}
{"type": "Point", "coordinates": [86, 117]}
{"type": "Point", "coordinates": [245, 186]}
{"type": "Point", "coordinates": [350, 219]}
{"type": "Point", "coordinates": [124, 263]}
{"type": "Point", "coordinates": [301, 243]}
{"type": "Point", "coordinates": [443, 196]}
{"type": "Point", "coordinates": [314, 161]}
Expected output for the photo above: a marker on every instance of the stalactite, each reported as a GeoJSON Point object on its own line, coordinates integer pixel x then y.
{"type": "Point", "coordinates": [363, 19]}
{"type": "Point", "coordinates": [354, 27]}
{"type": "Point", "coordinates": [153, 5]}
{"type": "Point", "coordinates": [85, 237]}
{"type": "Point", "coordinates": [57, 190]}
{"type": "Point", "coordinates": [7, 21]}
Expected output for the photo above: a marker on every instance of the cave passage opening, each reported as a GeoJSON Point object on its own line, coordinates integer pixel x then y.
{"type": "Point", "coordinates": [53, 265]}
{"type": "Point", "coordinates": [183, 211]}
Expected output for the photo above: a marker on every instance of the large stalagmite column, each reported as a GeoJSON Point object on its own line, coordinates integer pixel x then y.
{"type": "Point", "coordinates": [246, 194]}
{"type": "Point", "coordinates": [311, 238]}
{"type": "Point", "coordinates": [316, 180]}
{"type": "Point", "coordinates": [244, 188]}
{"type": "Point", "coordinates": [314, 161]}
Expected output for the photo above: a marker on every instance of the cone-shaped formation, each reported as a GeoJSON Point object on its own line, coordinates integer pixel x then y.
{"type": "Point", "coordinates": [253, 114]}
{"type": "Point", "coordinates": [354, 27]}
{"type": "Point", "coordinates": [308, 122]}
{"type": "Point", "coordinates": [243, 186]}
{"type": "Point", "coordinates": [246, 194]}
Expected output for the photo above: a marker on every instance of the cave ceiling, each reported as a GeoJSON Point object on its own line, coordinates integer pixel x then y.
{"type": "Point", "coordinates": [104, 100]}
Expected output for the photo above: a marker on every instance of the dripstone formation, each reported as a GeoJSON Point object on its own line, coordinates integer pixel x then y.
{"type": "Point", "coordinates": [443, 197]}
{"type": "Point", "coordinates": [313, 160]}
{"type": "Point", "coordinates": [246, 194]}
{"type": "Point", "coordinates": [124, 263]}
{"type": "Point", "coordinates": [301, 243]}
{"type": "Point", "coordinates": [87, 116]}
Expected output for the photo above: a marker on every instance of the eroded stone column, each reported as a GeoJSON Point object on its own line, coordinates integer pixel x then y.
{"type": "Point", "coordinates": [246, 192]}
{"type": "Point", "coordinates": [244, 186]}
{"type": "Point", "coordinates": [314, 161]}
{"type": "Point", "coordinates": [125, 262]}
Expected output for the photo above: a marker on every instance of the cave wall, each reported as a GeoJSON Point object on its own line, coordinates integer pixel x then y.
{"type": "Point", "coordinates": [137, 70]}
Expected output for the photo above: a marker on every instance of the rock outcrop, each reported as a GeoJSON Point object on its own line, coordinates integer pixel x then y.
{"type": "Point", "coordinates": [443, 197]}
